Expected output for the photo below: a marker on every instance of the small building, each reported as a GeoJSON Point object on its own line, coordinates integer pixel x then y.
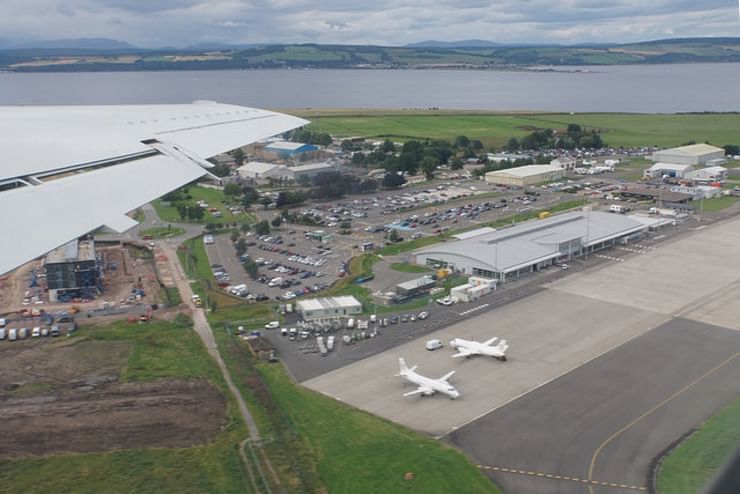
{"type": "Point", "coordinates": [710, 174]}
{"type": "Point", "coordinates": [416, 286]}
{"type": "Point", "coordinates": [475, 288]}
{"type": "Point", "coordinates": [564, 162]}
{"type": "Point", "coordinates": [72, 271]}
{"type": "Point", "coordinates": [309, 170]}
{"type": "Point", "coordinates": [328, 307]}
{"type": "Point", "coordinates": [503, 157]}
{"type": "Point", "coordinates": [257, 170]}
{"type": "Point", "coordinates": [525, 175]}
{"type": "Point", "coordinates": [672, 170]}
{"type": "Point", "coordinates": [287, 149]}
{"type": "Point", "coordinates": [695, 154]}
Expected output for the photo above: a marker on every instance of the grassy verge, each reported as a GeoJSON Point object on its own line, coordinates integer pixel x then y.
{"type": "Point", "coordinates": [395, 249]}
{"type": "Point", "coordinates": [358, 452]}
{"type": "Point", "coordinates": [409, 268]}
{"type": "Point", "coordinates": [215, 198]}
{"type": "Point", "coordinates": [494, 129]}
{"type": "Point", "coordinates": [162, 232]}
{"type": "Point", "coordinates": [716, 203]}
{"type": "Point", "coordinates": [159, 350]}
{"type": "Point", "coordinates": [690, 465]}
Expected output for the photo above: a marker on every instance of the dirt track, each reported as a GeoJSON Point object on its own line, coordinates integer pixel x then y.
{"type": "Point", "coordinates": [70, 399]}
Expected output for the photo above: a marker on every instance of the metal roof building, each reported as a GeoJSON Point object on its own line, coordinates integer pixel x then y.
{"type": "Point", "coordinates": [257, 170]}
{"type": "Point", "coordinates": [673, 170]}
{"type": "Point", "coordinates": [695, 154]}
{"type": "Point", "coordinates": [532, 246]}
{"type": "Point", "coordinates": [525, 175]}
{"type": "Point", "coordinates": [287, 148]}
{"type": "Point", "coordinates": [328, 307]}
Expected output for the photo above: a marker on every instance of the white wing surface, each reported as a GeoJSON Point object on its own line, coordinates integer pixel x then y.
{"type": "Point", "coordinates": [66, 171]}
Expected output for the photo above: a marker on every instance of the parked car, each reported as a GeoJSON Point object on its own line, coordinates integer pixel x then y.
{"type": "Point", "coordinates": [272, 325]}
{"type": "Point", "coordinates": [423, 315]}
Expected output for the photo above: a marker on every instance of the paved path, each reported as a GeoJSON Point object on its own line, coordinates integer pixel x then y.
{"type": "Point", "coordinates": [206, 335]}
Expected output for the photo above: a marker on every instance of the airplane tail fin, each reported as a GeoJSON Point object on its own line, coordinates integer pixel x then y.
{"type": "Point", "coordinates": [402, 364]}
{"type": "Point", "coordinates": [502, 346]}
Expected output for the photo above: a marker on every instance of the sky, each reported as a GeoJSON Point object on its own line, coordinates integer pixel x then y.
{"type": "Point", "coordinates": [158, 23]}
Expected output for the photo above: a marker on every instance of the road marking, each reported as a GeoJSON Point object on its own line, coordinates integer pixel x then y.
{"type": "Point", "coordinates": [610, 258]}
{"type": "Point", "coordinates": [590, 482]}
{"type": "Point", "coordinates": [656, 407]}
{"type": "Point", "coordinates": [473, 309]}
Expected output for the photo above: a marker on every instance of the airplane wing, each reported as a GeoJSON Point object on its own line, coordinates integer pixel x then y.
{"type": "Point", "coordinates": [463, 352]}
{"type": "Point", "coordinates": [490, 342]}
{"type": "Point", "coordinates": [447, 376]}
{"type": "Point", "coordinates": [67, 171]}
{"type": "Point", "coordinates": [420, 390]}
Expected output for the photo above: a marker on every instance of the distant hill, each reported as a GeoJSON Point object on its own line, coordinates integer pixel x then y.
{"type": "Point", "coordinates": [102, 54]}
{"type": "Point", "coordinates": [102, 44]}
{"type": "Point", "coordinates": [468, 43]}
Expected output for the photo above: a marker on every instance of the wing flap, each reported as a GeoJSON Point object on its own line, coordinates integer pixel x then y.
{"type": "Point", "coordinates": [462, 352]}
{"type": "Point", "coordinates": [419, 390]}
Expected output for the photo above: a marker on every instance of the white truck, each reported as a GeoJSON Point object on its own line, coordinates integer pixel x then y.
{"type": "Point", "coordinates": [330, 343]}
{"type": "Point", "coordinates": [350, 323]}
{"type": "Point", "coordinates": [618, 208]}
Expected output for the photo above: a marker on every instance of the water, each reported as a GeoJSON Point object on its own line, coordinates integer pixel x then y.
{"type": "Point", "coordinates": [636, 88]}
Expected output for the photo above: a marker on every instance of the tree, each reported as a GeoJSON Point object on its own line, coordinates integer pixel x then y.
{"type": "Point", "coordinates": [277, 221]}
{"type": "Point", "coordinates": [211, 226]}
{"type": "Point", "coordinates": [220, 170]}
{"type": "Point", "coordinates": [232, 189]}
{"type": "Point", "coordinates": [476, 144]}
{"type": "Point", "coordinates": [393, 180]}
{"type": "Point", "coordinates": [394, 236]}
{"type": "Point", "coordinates": [512, 144]}
{"type": "Point", "coordinates": [265, 201]}
{"type": "Point", "coordinates": [250, 196]}
{"type": "Point", "coordinates": [182, 212]}
{"type": "Point", "coordinates": [731, 149]}
{"type": "Point", "coordinates": [234, 237]}
{"type": "Point", "coordinates": [245, 227]}
{"type": "Point", "coordinates": [251, 268]}
{"type": "Point", "coordinates": [462, 142]}
{"type": "Point", "coordinates": [428, 165]}
{"type": "Point", "coordinates": [262, 228]}
{"type": "Point", "coordinates": [347, 146]}
{"type": "Point", "coordinates": [457, 164]}
{"type": "Point", "coordinates": [241, 247]}
{"type": "Point", "coordinates": [196, 212]}
{"type": "Point", "coordinates": [214, 305]}
{"type": "Point", "coordinates": [387, 146]}
{"type": "Point", "coordinates": [238, 156]}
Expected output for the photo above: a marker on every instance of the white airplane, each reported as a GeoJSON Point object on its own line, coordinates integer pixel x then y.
{"type": "Point", "coordinates": [468, 348]}
{"type": "Point", "coordinates": [68, 170]}
{"type": "Point", "coordinates": [426, 385]}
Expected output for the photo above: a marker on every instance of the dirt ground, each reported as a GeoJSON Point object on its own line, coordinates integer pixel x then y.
{"type": "Point", "coordinates": [65, 397]}
{"type": "Point", "coordinates": [130, 272]}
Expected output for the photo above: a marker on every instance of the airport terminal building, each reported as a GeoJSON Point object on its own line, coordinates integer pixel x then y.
{"type": "Point", "coordinates": [510, 253]}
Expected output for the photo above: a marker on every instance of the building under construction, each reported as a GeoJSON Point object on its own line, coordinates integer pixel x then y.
{"type": "Point", "coordinates": [72, 271]}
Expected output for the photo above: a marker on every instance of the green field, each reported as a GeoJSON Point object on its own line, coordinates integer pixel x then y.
{"type": "Point", "coordinates": [691, 464]}
{"type": "Point", "coordinates": [715, 204]}
{"type": "Point", "coordinates": [494, 129]}
{"type": "Point", "coordinates": [409, 268]}
{"type": "Point", "coordinates": [158, 349]}
{"type": "Point", "coordinates": [215, 198]}
{"type": "Point", "coordinates": [162, 232]}
{"type": "Point", "coordinates": [356, 452]}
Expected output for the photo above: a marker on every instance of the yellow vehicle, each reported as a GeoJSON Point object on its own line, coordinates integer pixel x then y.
{"type": "Point", "coordinates": [544, 214]}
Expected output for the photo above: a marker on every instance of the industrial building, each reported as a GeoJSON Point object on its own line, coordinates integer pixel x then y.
{"type": "Point", "coordinates": [695, 154]}
{"type": "Point", "coordinates": [328, 307]}
{"type": "Point", "coordinates": [287, 149]}
{"type": "Point", "coordinates": [672, 170]}
{"type": "Point", "coordinates": [416, 286]}
{"type": "Point", "coordinates": [72, 271]}
{"type": "Point", "coordinates": [309, 170]}
{"type": "Point", "coordinates": [525, 175]}
{"type": "Point", "coordinates": [565, 162]}
{"type": "Point", "coordinates": [710, 174]}
{"type": "Point", "coordinates": [510, 253]}
{"type": "Point", "coordinates": [257, 170]}
{"type": "Point", "coordinates": [475, 288]}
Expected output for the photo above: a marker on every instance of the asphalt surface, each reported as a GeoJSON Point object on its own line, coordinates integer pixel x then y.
{"type": "Point", "coordinates": [618, 412]}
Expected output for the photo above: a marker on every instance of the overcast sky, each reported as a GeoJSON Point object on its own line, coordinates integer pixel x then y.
{"type": "Point", "coordinates": [156, 23]}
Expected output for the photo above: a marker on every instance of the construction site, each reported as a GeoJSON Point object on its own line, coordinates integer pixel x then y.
{"type": "Point", "coordinates": [83, 276]}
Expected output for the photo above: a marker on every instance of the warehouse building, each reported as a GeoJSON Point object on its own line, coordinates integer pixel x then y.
{"type": "Point", "coordinates": [328, 307]}
{"type": "Point", "coordinates": [695, 154]}
{"type": "Point", "coordinates": [309, 170]}
{"type": "Point", "coordinates": [287, 149]}
{"type": "Point", "coordinates": [257, 170]}
{"type": "Point", "coordinates": [416, 286]}
{"type": "Point", "coordinates": [525, 175]}
{"type": "Point", "coordinates": [672, 170]}
{"type": "Point", "coordinates": [510, 253]}
{"type": "Point", "coordinates": [710, 174]}
{"type": "Point", "coordinates": [72, 271]}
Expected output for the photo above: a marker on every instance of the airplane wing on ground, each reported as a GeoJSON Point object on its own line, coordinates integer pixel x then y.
{"type": "Point", "coordinates": [420, 390]}
{"type": "Point", "coordinates": [463, 352]}
{"type": "Point", "coordinates": [490, 342]}
{"type": "Point", "coordinates": [69, 170]}
{"type": "Point", "coordinates": [447, 376]}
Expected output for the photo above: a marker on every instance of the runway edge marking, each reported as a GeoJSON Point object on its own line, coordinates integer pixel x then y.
{"type": "Point", "coordinates": [552, 476]}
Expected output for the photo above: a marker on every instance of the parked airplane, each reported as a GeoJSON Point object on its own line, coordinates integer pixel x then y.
{"type": "Point", "coordinates": [426, 385]}
{"type": "Point", "coordinates": [468, 348]}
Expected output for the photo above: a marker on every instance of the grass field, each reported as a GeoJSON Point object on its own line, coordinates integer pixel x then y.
{"type": "Point", "coordinates": [716, 203]}
{"type": "Point", "coordinates": [359, 453]}
{"type": "Point", "coordinates": [162, 232]}
{"type": "Point", "coordinates": [494, 129]}
{"type": "Point", "coordinates": [159, 349]}
{"type": "Point", "coordinates": [213, 197]}
{"type": "Point", "coordinates": [409, 268]}
{"type": "Point", "coordinates": [690, 465]}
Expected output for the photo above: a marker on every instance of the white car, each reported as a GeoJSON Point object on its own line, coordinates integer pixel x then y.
{"type": "Point", "coordinates": [432, 345]}
{"type": "Point", "coordinates": [272, 325]}
{"type": "Point", "coordinates": [422, 315]}
{"type": "Point", "coordinates": [445, 301]}
{"type": "Point", "coordinates": [36, 332]}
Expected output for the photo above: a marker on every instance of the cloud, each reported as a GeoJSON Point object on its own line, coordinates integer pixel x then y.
{"type": "Point", "coordinates": [156, 23]}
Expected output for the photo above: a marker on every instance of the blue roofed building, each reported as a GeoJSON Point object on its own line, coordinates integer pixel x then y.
{"type": "Point", "coordinates": [287, 149]}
